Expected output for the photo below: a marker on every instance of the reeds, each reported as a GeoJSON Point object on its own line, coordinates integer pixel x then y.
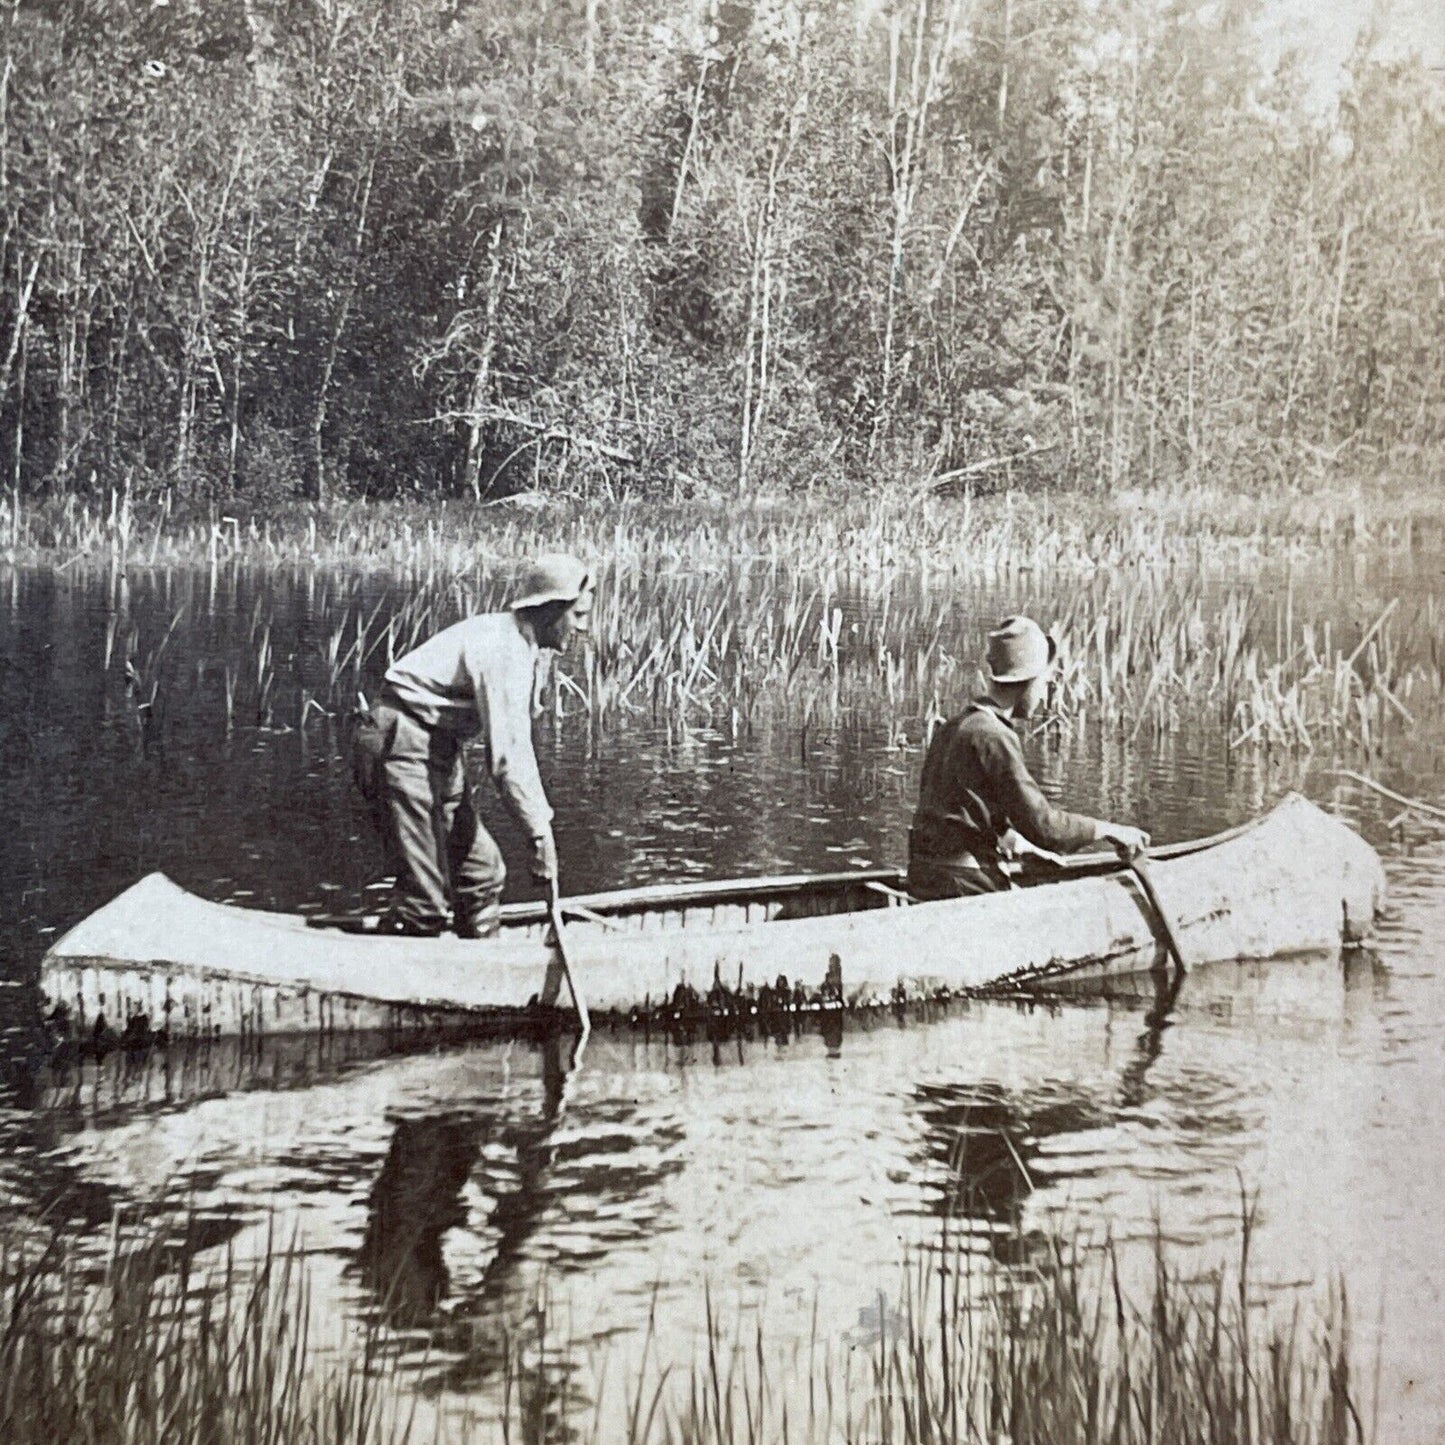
{"type": "Point", "coordinates": [1158, 656]}
{"type": "Point", "coordinates": [860, 535]}
{"type": "Point", "coordinates": [144, 672]}
{"type": "Point", "coordinates": [145, 1347]}
{"type": "Point", "coordinates": [1144, 655]}
{"type": "Point", "coordinates": [851, 616]}
{"type": "Point", "coordinates": [969, 1351]}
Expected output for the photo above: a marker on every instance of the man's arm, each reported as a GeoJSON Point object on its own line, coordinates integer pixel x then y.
{"type": "Point", "coordinates": [1043, 824]}
{"type": "Point", "coordinates": [1015, 846]}
{"type": "Point", "coordinates": [1030, 813]}
{"type": "Point", "coordinates": [504, 708]}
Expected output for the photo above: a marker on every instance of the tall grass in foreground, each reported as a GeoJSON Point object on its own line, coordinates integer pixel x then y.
{"type": "Point", "coordinates": [1059, 1353]}
{"type": "Point", "coordinates": [146, 1351]}
{"type": "Point", "coordinates": [141, 1349]}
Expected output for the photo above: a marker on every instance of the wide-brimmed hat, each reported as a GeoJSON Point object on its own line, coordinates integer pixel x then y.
{"type": "Point", "coordinates": [1019, 650]}
{"type": "Point", "coordinates": [555, 577]}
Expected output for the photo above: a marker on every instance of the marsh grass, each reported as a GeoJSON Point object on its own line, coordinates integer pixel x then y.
{"type": "Point", "coordinates": [1057, 1352]}
{"type": "Point", "coordinates": [145, 1347]}
{"type": "Point", "coordinates": [865, 534]}
{"type": "Point", "coordinates": [1066, 1352]}
{"type": "Point", "coordinates": [814, 616]}
{"type": "Point", "coordinates": [1155, 657]}
{"type": "Point", "coordinates": [1147, 654]}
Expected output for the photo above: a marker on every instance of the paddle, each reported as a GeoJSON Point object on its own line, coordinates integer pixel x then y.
{"type": "Point", "coordinates": [1138, 864]}
{"type": "Point", "coordinates": [559, 934]}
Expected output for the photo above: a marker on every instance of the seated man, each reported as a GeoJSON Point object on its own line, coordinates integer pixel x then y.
{"type": "Point", "coordinates": [976, 786]}
{"type": "Point", "coordinates": [475, 676]}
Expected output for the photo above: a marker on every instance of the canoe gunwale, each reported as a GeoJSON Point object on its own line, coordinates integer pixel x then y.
{"type": "Point", "coordinates": [651, 897]}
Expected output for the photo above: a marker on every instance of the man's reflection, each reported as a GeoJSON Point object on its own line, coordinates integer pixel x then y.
{"type": "Point", "coordinates": [418, 1197]}
{"type": "Point", "coordinates": [415, 1200]}
{"type": "Point", "coordinates": [979, 1141]}
{"type": "Point", "coordinates": [980, 1138]}
{"type": "Point", "coordinates": [492, 1322]}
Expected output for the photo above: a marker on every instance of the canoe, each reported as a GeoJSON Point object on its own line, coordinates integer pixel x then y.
{"type": "Point", "coordinates": [158, 959]}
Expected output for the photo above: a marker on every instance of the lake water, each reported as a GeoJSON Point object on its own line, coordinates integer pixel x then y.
{"type": "Point", "coordinates": [792, 1175]}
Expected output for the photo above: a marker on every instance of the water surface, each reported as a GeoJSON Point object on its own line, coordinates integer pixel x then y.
{"type": "Point", "coordinates": [441, 1194]}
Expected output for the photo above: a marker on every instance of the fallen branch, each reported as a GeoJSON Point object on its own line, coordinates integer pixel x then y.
{"type": "Point", "coordinates": [547, 431]}
{"type": "Point", "coordinates": [944, 479]}
{"type": "Point", "coordinates": [550, 431]}
{"type": "Point", "coordinates": [1378, 623]}
{"type": "Point", "coordinates": [1428, 809]}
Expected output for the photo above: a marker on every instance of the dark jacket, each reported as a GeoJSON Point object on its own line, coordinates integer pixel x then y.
{"type": "Point", "coordinates": [976, 785]}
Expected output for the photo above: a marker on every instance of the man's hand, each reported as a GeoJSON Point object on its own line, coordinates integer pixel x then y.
{"type": "Point", "coordinates": [1013, 845]}
{"type": "Point", "coordinates": [544, 859]}
{"type": "Point", "coordinates": [1129, 841]}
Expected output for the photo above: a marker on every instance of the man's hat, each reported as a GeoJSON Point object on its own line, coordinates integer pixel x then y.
{"type": "Point", "coordinates": [1019, 650]}
{"type": "Point", "coordinates": [555, 577]}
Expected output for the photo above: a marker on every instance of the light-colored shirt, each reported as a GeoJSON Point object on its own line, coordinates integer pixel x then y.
{"type": "Point", "coordinates": [477, 676]}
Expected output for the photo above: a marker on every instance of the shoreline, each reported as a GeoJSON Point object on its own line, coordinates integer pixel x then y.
{"type": "Point", "coordinates": [896, 529]}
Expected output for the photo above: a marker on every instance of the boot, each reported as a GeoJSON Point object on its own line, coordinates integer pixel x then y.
{"type": "Point", "coordinates": [398, 925]}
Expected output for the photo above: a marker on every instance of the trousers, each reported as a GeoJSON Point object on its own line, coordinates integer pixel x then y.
{"type": "Point", "coordinates": [443, 861]}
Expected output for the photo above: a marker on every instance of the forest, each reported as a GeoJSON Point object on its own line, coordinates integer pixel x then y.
{"type": "Point", "coordinates": [260, 249]}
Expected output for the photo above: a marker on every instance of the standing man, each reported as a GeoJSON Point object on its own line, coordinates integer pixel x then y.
{"type": "Point", "coordinates": [976, 792]}
{"type": "Point", "coordinates": [476, 676]}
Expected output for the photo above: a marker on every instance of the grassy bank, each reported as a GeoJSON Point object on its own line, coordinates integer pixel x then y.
{"type": "Point", "coordinates": [893, 530]}
{"type": "Point", "coordinates": [149, 1347]}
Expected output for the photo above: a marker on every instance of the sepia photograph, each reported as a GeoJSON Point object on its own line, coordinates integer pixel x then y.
{"type": "Point", "coordinates": [723, 722]}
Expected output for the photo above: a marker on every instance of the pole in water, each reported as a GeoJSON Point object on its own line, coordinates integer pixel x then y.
{"type": "Point", "coordinates": [1138, 864]}
{"type": "Point", "coordinates": [559, 935]}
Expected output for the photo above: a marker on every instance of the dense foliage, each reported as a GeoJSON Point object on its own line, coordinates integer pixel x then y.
{"type": "Point", "coordinates": [457, 246]}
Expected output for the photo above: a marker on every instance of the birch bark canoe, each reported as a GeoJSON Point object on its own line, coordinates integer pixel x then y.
{"type": "Point", "coordinates": [159, 959]}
